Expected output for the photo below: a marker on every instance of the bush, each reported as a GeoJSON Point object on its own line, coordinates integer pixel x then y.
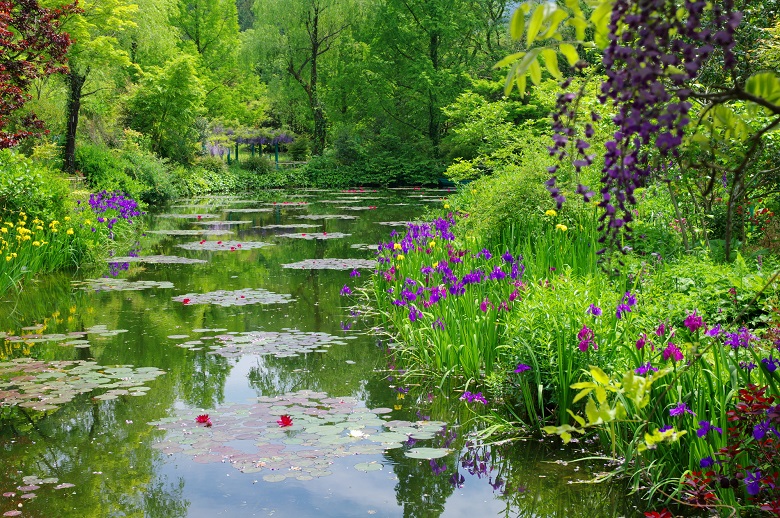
{"type": "Point", "coordinates": [299, 149]}
{"type": "Point", "coordinates": [106, 169]}
{"type": "Point", "coordinates": [27, 187]}
{"type": "Point", "coordinates": [257, 164]}
{"type": "Point", "coordinates": [212, 164]}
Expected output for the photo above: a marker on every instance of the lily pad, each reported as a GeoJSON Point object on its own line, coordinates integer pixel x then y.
{"type": "Point", "coordinates": [196, 232]}
{"type": "Point", "coordinates": [221, 246]}
{"type": "Point", "coordinates": [226, 298]}
{"type": "Point", "coordinates": [288, 226]}
{"type": "Point", "coordinates": [110, 284]}
{"type": "Point", "coordinates": [368, 466]}
{"type": "Point", "coordinates": [323, 430]}
{"type": "Point", "coordinates": [427, 453]}
{"type": "Point", "coordinates": [250, 210]}
{"type": "Point", "coordinates": [326, 216]}
{"type": "Point", "coordinates": [316, 235]}
{"type": "Point", "coordinates": [188, 216]}
{"type": "Point", "coordinates": [225, 223]}
{"type": "Point", "coordinates": [156, 259]}
{"type": "Point", "coordinates": [332, 264]}
{"type": "Point", "coordinates": [363, 246]}
{"type": "Point", "coordinates": [43, 385]}
{"type": "Point", "coordinates": [280, 344]}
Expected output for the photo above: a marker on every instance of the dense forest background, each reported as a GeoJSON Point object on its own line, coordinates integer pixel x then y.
{"type": "Point", "coordinates": [365, 85]}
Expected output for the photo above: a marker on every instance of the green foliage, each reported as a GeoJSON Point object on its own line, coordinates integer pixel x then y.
{"type": "Point", "coordinates": [383, 169]}
{"type": "Point", "coordinates": [257, 164]}
{"type": "Point", "coordinates": [133, 171]}
{"type": "Point", "coordinates": [299, 149]}
{"type": "Point", "coordinates": [211, 163]}
{"type": "Point", "coordinates": [166, 105]}
{"type": "Point", "coordinates": [30, 188]}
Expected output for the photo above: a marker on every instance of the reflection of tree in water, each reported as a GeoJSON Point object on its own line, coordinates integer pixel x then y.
{"type": "Point", "coordinates": [103, 448]}
{"type": "Point", "coordinates": [205, 385]}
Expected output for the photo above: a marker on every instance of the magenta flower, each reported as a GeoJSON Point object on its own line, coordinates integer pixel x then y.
{"type": "Point", "coordinates": [693, 322]}
{"type": "Point", "coordinates": [673, 352]}
{"type": "Point", "coordinates": [660, 330]}
{"type": "Point", "coordinates": [586, 336]}
{"type": "Point", "coordinates": [644, 369]}
{"type": "Point", "coordinates": [470, 398]}
{"type": "Point", "coordinates": [522, 367]}
{"type": "Point", "coordinates": [642, 341]}
{"type": "Point", "coordinates": [345, 290]}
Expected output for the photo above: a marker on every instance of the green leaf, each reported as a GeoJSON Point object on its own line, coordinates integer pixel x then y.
{"type": "Point", "coordinates": [601, 394]}
{"type": "Point", "coordinates": [555, 18]}
{"type": "Point", "coordinates": [535, 24]}
{"type": "Point", "coordinates": [581, 394]}
{"type": "Point", "coordinates": [570, 52]}
{"type": "Point", "coordinates": [599, 375]}
{"type": "Point", "coordinates": [521, 84]}
{"type": "Point", "coordinates": [600, 19]}
{"type": "Point", "coordinates": [566, 436]}
{"type": "Point", "coordinates": [517, 25]}
{"type": "Point", "coordinates": [591, 412]}
{"type": "Point", "coordinates": [765, 85]}
{"type": "Point", "coordinates": [535, 72]}
{"type": "Point", "coordinates": [579, 24]}
{"type": "Point", "coordinates": [509, 60]}
{"type": "Point", "coordinates": [577, 418]}
{"type": "Point", "coordinates": [551, 62]}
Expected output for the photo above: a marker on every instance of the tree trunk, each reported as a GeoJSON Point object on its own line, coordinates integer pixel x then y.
{"type": "Point", "coordinates": [75, 85]}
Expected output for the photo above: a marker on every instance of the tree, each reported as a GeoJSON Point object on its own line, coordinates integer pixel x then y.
{"type": "Point", "coordinates": [96, 53]}
{"type": "Point", "coordinates": [32, 45]}
{"type": "Point", "coordinates": [303, 31]}
{"type": "Point", "coordinates": [165, 107]}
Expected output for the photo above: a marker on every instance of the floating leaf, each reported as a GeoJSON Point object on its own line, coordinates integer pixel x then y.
{"type": "Point", "coordinates": [110, 284]}
{"type": "Point", "coordinates": [368, 466]}
{"type": "Point", "coordinates": [326, 216]}
{"type": "Point", "coordinates": [427, 453]}
{"type": "Point", "coordinates": [223, 246]}
{"type": "Point", "coordinates": [316, 235]}
{"type": "Point", "coordinates": [197, 232]}
{"type": "Point", "coordinates": [332, 264]}
{"type": "Point", "coordinates": [226, 298]}
{"type": "Point", "coordinates": [224, 223]}
{"type": "Point", "coordinates": [155, 259]}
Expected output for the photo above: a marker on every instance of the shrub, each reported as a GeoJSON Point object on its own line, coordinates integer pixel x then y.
{"type": "Point", "coordinates": [212, 164]}
{"type": "Point", "coordinates": [257, 164]}
{"type": "Point", "coordinates": [106, 169]}
{"type": "Point", "coordinates": [299, 149]}
{"type": "Point", "coordinates": [27, 187]}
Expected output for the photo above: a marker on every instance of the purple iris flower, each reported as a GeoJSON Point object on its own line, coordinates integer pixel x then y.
{"type": "Point", "coordinates": [346, 290]}
{"type": "Point", "coordinates": [522, 367]}
{"type": "Point", "coordinates": [673, 352]}
{"type": "Point", "coordinates": [705, 427]}
{"type": "Point", "coordinates": [644, 369]}
{"type": "Point", "coordinates": [354, 273]}
{"type": "Point", "coordinates": [414, 314]}
{"type": "Point", "coordinates": [680, 409]}
{"type": "Point", "coordinates": [753, 482]}
{"type": "Point", "coordinates": [437, 324]}
{"type": "Point", "coordinates": [706, 462]}
{"type": "Point", "coordinates": [693, 322]}
{"type": "Point", "coordinates": [714, 331]}
{"type": "Point", "coordinates": [594, 310]}
{"type": "Point", "coordinates": [770, 364]}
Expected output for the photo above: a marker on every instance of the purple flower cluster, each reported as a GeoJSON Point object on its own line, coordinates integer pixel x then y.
{"type": "Point", "coordinates": [470, 398]}
{"type": "Point", "coordinates": [104, 201]}
{"type": "Point", "coordinates": [626, 303]}
{"type": "Point", "coordinates": [586, 338]}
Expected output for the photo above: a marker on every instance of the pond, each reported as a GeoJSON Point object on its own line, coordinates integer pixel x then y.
{"type": "Point", "coordinates": [222, 370]}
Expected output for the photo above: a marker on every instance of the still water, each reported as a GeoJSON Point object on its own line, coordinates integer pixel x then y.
{"type": "Point", "coordinates": [248, 329]}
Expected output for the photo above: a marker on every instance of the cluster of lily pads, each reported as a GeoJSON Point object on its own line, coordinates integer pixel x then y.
{"type": "Point", "coordinates": [112, 284]}
{"type": "Point", "coordinates": [284, 344]}
{"type": "Point", "coordinates": [315, 217]}
{"type": "Point", "coordinates": [187, 216]}
{"type": "Point", "coordinates": [293, 225]}
{"type": "Point", "coordinates": [224, 223]}
{"type": "Point", "coordinates": [228, 298]}
{"type": "Point", "coordinates": [317, 431]}
{"type": "Point", "coordinates": [332, 264]}
{"type": "Point", "coordinates": [316, 235]}
{"type": "Point", "coordinates": [71, 339]}
{"type": "Point", "coordinates": [219, 246]}
{"type": "Point", "coordinates": [195, 232]}
{"type": "Point", "coordinates": [26, 491]}
{"type": "Point", "coordinates": [44, 385]}
{"type": "Point", "coordinates": [155, 259]}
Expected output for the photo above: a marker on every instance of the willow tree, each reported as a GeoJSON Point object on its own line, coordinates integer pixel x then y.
{"type": "Point", "coordinates": [302, 32]}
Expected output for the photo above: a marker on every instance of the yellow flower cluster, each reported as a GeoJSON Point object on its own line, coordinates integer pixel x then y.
{"type": "Point", "coordinates": [23, 231]}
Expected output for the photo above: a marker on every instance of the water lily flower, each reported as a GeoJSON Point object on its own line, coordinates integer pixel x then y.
{"type": "Point", "coordinates": [284, 421]}
{"type": "Point", "coordinates": [203, 419]}
{"type": "Point", "coordinates": [357, 434]}
{"type": "Point", "coordinates": [185, 301]}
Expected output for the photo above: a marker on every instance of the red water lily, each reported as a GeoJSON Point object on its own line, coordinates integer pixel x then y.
{"type": "Point", "coordinates": [185, 302]}
{"type": "Point", "coordinates": [203, 419]}
{"type": "Point", "coordinates": [285, 420]}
